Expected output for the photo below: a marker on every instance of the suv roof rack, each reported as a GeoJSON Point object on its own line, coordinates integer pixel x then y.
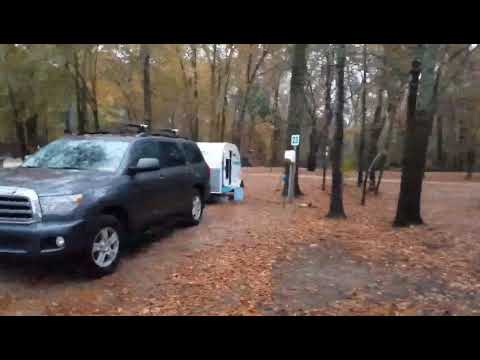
{"type": "Point", "coordinates": [123, 129]}
{"type": "Point", "coordinates": [142, 130]}
{"type": "Point", "coordinates": [163, 132]}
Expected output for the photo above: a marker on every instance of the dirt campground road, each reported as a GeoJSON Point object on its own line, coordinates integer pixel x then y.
{"type": "Point", "coordinates": [259, 257]}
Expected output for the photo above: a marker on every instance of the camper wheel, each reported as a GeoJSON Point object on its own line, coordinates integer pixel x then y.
{"type": "Point", "coordinates": [232, 195]}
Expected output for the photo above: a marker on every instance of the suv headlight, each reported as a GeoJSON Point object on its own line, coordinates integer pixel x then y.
{"type": "Point", "coordinates": [60, 204]}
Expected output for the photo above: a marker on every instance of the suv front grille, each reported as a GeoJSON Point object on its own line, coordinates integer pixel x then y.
{"type": "Point", "coordinates": [15, 208]}
{"type": "Point", "coordinates": [19, 205]}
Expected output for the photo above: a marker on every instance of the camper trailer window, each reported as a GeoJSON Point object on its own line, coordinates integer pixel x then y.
{"type": "Point", "coordinates": [172, 154]}
{"type": "Point", "coordinates": [192, 153]}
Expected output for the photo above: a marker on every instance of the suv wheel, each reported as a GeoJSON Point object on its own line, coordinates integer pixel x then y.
{"type": "Point", "coordinates": [195, 215]}
{"type": "Point", "coordinates": [103, 253]}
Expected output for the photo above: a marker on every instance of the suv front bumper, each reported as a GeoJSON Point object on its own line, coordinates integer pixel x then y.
{"type": "Point", "coordinates": [38, 239]}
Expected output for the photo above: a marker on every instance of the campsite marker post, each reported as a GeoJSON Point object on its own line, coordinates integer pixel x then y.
{"type": "Point", "coordinates": [294, 141]}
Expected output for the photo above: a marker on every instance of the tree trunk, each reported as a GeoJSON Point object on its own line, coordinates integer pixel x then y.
{"type": "Point", "coordinates": [439, 132]}
{"type": "Point", "coordinates": [237, 128]}
{"type": "Point", "coordinates": [470, 162]}
{"type": "Point", "coordinates": [21, 138]}
{"type": "Point", "coordinates": [354, 103]}
{"type": "Point", "coordinates": [394, 98]}
{"type": "Point", "coordinates": [67, 121]}
{"type": "Point", "coordinates": [336, 197]}
{"type": "Point", "coordinates": [440, 160]}
{"type": "Point", "coordinates": [361, 148]}
{"type": "Point", "coordinates": [462, 141]}
{"type": "Point", "coordinates": [94, 98]}
{"type": "Point", "coordinates": [95, 118]}
{"type": "Point", "coordinates": [275, 156]}
{"type": "Point", "coordinates": [391, 113]}
{"type": "Point", "coordinates": [328, 100]}
{"type": "Point", "coordinates": [85, 78]}
{"type": "Point", "coordinates": [296, 106]}
{"type": "Point", "coordinates": [251, 130]}
{"type": "Point", "coordinates": [395, 91]}
{"type": "Point", "coordinates": [275, 146]}
{"type": "Point", "coordinates": [213, 95]}
{"type": "Point", "coordinates": [419, 123]}
{"type": "Point", "coordinates": [84, 89]}
{"type": "Point", "coordinates": [314, 136]}
{"type": "Point", "coordinates": [328, 115]}
{"type": "Point", "coordinates": [172, 122]}
{"type": "Point", "coordinates": [189, 102]}
{"type": "Point", "coordinates": [377, 124]}
{"type": "Point", "coordinates": [67, 129]}
{"type": "Point", "coordinates": [238, 123]}
{"type": "Point", "coordinates": [218, 106]}
{"type": "Point", "coordinates": [147, 90]}
{"type": "Point", "coordinates": [195, 119]}
{"type": "Point", "coordinates": [46, 133]}
{"type": "Point", "coordinates": [375, 131]}
{"type": "Point", "coordinates": [83, 110]}
{"type": "Point", "coordinates": [32, 133]}
{"type": "Point", "coordinates": [223, 123]}
{"type": "Point", "coordinates": [410, 180]}
{"type": "Point", "coordinates": [314, 145]}
{"type": "Point", "coordinates": [19, 128]}
{"type": "Point", "coordinates": [80, 97]}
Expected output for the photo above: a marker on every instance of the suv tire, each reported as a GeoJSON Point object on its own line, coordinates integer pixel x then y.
{"type": "Point", "coordinates": [102, 254]}
{"type": "Point", "coordinates": [194, 217]}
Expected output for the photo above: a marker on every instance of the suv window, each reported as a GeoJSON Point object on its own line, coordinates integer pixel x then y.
{"type": "Point", "coordinates": [192, 153]}
{"type": "Point", "coordinates": [172, 154]}
{"type": "Point", "coordinates": [145, 149]}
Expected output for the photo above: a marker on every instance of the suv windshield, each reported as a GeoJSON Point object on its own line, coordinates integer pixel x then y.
{"type": "Point", "coordinates": [81, 154]}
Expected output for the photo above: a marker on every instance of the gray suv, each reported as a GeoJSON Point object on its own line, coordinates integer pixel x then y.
{"type": "Point", "coordinates": [84, 195]}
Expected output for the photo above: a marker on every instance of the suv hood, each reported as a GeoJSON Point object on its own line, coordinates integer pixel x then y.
{"type": "Point", "coordinates": [54, 181]}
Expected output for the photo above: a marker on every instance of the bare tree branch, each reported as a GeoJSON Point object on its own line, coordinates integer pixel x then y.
{"type": "Point", "coordinates": [259, 63]}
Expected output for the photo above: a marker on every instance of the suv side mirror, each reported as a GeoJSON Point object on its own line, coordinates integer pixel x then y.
{"type": "Point", "coordinates": [145, 164]}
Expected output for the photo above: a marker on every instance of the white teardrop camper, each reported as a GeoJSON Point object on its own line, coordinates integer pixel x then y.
{"type": "Point", "coordinates": [225, 167]}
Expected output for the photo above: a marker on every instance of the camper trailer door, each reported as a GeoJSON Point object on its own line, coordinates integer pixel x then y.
{"type": "Point", "coordinates": [236, 168]}
{"type": "Point", "coordinates": [227, 167]}
{"type": "Point", "coordinates": [232, 167]}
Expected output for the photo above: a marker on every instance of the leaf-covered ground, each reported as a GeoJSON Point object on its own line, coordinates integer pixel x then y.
{"type": "Point", "coordinates": [262, 257]}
